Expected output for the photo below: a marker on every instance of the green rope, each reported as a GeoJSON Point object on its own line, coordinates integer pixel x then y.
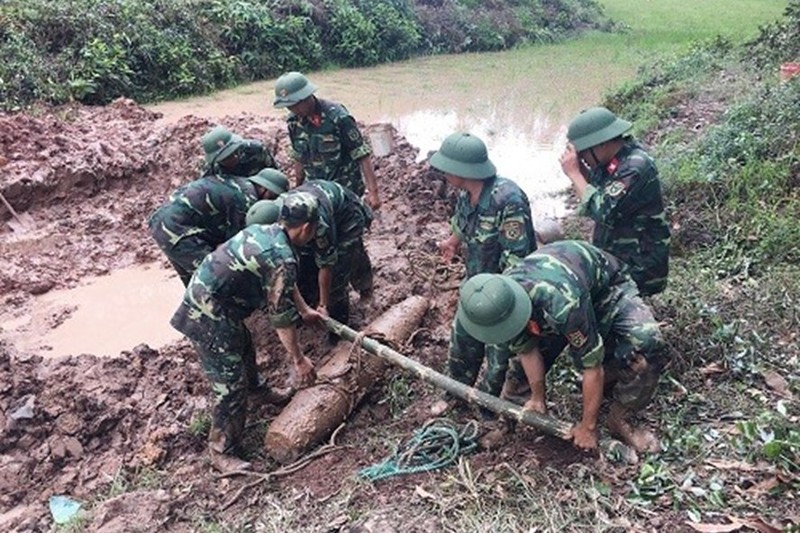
{"type": "Point", "coordinates": [437, 444]}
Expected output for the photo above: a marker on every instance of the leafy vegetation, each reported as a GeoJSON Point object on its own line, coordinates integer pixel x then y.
{"type": "Point", "coordinates": [93, 51]}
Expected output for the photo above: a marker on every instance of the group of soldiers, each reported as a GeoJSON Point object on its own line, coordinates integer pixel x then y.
{"type": "Point", "coordinates": [242, 239]}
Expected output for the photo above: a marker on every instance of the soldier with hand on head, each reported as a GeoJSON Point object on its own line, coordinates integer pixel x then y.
{"type": "Point", "coordinates": [326, 141]}
{"type": "Point", "coordinates": [617, 183]}
{"type": "Point", "coordinates": [572, 295]}
{"type": "Point", "coordinates": [492, 225]}
{"type": "Point", "coordinates": [206, 212]}
{"type": "Point", "coordinates": [255, 269]}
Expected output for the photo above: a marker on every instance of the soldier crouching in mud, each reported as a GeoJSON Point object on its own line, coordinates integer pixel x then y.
{"type": "Point", "coordinates": [572, 294]}
{"type": "Point", "coordinates": [257, 268]}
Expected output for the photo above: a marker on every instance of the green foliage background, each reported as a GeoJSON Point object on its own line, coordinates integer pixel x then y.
{"type": "Point", "coordinates": [726, 132]}
{"type": "Point", "coordinates": [93, 51]}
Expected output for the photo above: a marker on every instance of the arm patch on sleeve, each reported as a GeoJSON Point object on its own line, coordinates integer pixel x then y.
{"type": "Point", "coordinates": [577, 338]}
{"type": "Point", "coordinates": [513, 230]}
{"type": "Point", "coordinates": [616, 188]}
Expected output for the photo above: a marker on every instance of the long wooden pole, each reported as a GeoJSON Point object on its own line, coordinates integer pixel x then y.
{"type": "Point", "coordinates": [547, 424]}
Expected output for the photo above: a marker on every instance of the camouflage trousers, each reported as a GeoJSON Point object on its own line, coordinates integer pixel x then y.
{"type": "Point", "coordinates": [629, 332]}
{"type": "Point", "coordinates": [466, 356]}
{"type": "Point", "coordinates": [186, 254]}
{"type": "Point", "coordinates": [353, 266]}
{"type": "Point", "coordinates": [228, 359]}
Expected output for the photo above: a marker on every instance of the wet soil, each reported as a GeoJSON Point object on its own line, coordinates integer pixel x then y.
{"type": "Point", "coordinates": [93, 427]}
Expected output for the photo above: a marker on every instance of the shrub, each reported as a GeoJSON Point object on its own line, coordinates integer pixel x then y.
{"type": "Point", "coordinates": [96, 50]}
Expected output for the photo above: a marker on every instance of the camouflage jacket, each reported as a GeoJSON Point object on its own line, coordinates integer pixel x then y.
{"type": "Point", "coordinates": [213, 207]}
{"type": "Point", "coordinates": [624, 200]}
{"type": "Point", "coordinates": [342, 220]}
{"type": "Point", "coordinates": [253, 157]}
{"type": "Point", "coordinates": [495, 230]}
{"type": "Point", "coordinates": [571, 285]}
{"type": "Point", "coordinates": [257, 268]}
{"type": "Point", "coordinates": [329, 146]}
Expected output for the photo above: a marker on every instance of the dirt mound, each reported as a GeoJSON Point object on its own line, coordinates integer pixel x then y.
{"type": "Point", "coordinates": [90, 426]}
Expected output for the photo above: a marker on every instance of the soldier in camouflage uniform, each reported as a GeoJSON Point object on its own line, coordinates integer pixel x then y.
{"type": "Point", "coordinates": [492, 223]}
{"type": "Point", "coordinates": [255, 269]}
{"type": "Point", "coordinates": [336, 256]}
{"type": "Point", "coordinates": [617, 183]}
{"type": "Point", "coordinates": [326, 141]}
{"type": "Point", "coordinates": [248, 159]}
{"type": "Point", "coordinates": [572, 294]}
{"type": "Point", "coordinates": [208, 211]}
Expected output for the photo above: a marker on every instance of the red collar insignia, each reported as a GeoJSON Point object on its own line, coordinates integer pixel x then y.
{"type": "Point", "coordinates": [612, 166]}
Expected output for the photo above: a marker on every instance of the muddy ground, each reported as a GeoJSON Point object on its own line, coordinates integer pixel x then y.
{"type": "Point", "coordinates": [93, 428]}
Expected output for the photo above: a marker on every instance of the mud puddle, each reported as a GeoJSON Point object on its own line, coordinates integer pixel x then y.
{"type": "Point", "coordinates": [103, 316]}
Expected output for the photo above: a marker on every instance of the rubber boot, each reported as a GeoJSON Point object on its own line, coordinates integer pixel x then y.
{"type": "Point", "coordinates": [222, 445]}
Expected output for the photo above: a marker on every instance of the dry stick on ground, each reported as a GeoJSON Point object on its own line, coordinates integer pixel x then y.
{"type": "Point", "coordinates": [283, 471]}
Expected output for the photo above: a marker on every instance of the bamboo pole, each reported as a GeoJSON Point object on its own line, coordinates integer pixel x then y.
{"type": "Point", "coordinates": [545, 423]}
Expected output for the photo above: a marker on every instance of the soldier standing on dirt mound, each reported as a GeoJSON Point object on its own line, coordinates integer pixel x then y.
{"type": "Point", "coordinates": [618, 185]}
{"type": "Point", "coordinates": [493, 224]}
{"type": "Point", "coordinates": [572, 294]}
{"type": "Point", "coordinates": [255, 269]}
{"type": "Point", "coordinates": [208, 211]}
{"type": "Point", "coordinates": [326, 141]}
{"type": "Point", "coordinates": [250, 157]}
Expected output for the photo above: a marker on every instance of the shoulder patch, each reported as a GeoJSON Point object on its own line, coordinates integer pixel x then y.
{"type": "Point", "coordinates": [354, 135]}
{"type": "Point", "coordinates": [616, 188]}
{"type": "Point", "coordinates": [512, 230]}
{"type": "Point", "coordinates": [576, 338]}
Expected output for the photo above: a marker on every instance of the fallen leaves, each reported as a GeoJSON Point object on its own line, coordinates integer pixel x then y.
{"type": "Point", "coordinates": [735, 525]}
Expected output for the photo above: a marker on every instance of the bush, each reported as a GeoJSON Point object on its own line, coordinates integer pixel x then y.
{"type": "Point", "coordinates": [96, 50]}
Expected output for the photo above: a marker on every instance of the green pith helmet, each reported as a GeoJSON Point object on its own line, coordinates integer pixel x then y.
{"type": "Point", "coordinates": [594, 126]}
{"type": "Point", "coordinates": [465, 156]}
{"type": "Point", "coordinates": [298, 208]}
{"type": "Point", "coordinates": [264, 212]}
{"type": "Point", "coordinates": [272, 180]}
{"type": "Point", "coordinates": [219, 144]}
{"type": "Point", "coordinates": [292, 88]}
{"type": "Point", "coordinates": [493, 308]}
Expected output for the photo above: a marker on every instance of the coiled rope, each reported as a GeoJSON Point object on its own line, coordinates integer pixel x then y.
{"type": "Point", "coordinates": [437, 444]}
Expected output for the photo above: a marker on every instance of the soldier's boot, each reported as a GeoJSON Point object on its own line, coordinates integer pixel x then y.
{"type": "Point", "coordinates": [266, 394]}
{"type": "Point", "coordinates": [222, 445]}
{"type": "Point", "coordinates": [497, 432]}
{"type": "Point", "coordinates": [515, 390]}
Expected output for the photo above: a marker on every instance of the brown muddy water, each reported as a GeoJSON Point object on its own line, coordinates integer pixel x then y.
{"type": "Point", "coordinates": [103, 316]}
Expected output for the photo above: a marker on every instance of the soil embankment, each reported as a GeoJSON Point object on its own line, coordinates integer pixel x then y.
{"type": "Point", "coordinates": [82, 425]}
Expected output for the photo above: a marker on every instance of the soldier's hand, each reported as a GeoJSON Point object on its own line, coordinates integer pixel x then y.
{"type": "Point", "coordinates": [322, 310]}
{"type": "Point", "coordinates": [570, 163]}
{"type": "Point", "coordinates": [311, 316]}
{"type": "Point", "coordinates": [535, 406]}
{"type": "Point", "coordinates": [303, 373]}
{"type": "Point", "coordinates": [583, 437]}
